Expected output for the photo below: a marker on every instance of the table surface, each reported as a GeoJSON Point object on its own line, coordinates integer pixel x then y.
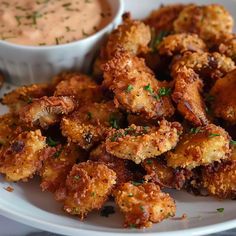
{"type": "Point", "coordinates": [11, 228]}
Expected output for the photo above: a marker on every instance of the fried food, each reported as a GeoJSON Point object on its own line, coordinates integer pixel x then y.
{"type": "Point", "coordinates": [165, 176]}
{"type": "Point", "coordinates": [221, 181]}
{"type": "Point", "coordinates": [22, 156]}
{"type": "Point", "coordinates": [119, 166]}
{"type": "Point", "coordinates": [80, 86]}
{"type": "Point", "coordinates": [24, 95]}
{"type": "Point", "coordinates": [138, 143]}
{"type": "Point", "coordinates": [135, 87]}
{"type": "Point", "coordinates": [201, 146]}
{"type": "Point", "coordinates": [89, 124]}
{"type": "Point", "coordinates": [210, 22]}
{"type": "Point", "coordinates": [179, 43]}
{"type": "Point", "coordinates": [224, 97]}
{"type": "Point", "coordinates": [162, 18]}
{"type": "Point", "coordinates": [46, 111]}
{"type": "Point", "coordinates": [58, 165]}
{"type": "Point", "coordinates": [87, 188]}
{"type": "Point", "coordinates": [144, 204]}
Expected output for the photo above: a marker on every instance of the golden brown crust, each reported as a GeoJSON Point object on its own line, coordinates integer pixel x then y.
{"type": "Point", "coordinates": [180, 43]}
{"type": "Point", "coordinates": [143, 204]}
{"type": "Point", "coordinates": [87, 188]}
{"type": "Point", "coordinates": [46, 111]}
{"type": "Point", "coordinates": [202, 146]}
{"type": "Point", "coordinates": [90, 123]}
{"type": "Point", "coordinates": [210, 22]}
{"type": "Point", "coordinates": [21, 157]}
{"type": "Point", "coordinates": [227, 46]}
{"type": "Point", "coordinates": [137, 143]}
{"type": "Point", "coordinates": [135, 87]}
{"type": "Point", "coordinates": [224, 97]}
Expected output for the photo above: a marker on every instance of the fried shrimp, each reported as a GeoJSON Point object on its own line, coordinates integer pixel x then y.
{"type": "Point", "coordinates": [189, 72]}
{"type": "Point", "coordinates": [221, 181]}
{"type": "Point", "coordinates": [224, 97]}
{"type": "Point", "coordinates": [21, 157]}
{"type": "Point", "coordinates": [46, 111]}
{"type": "Point", "coordinates": [136, 88]}
{"type": "Point", "coordinates": [138, 143]}
{"type": "Point", "coordinates": [87, 187]}
{"type": "Point", "coordinates": [202, 146]}
{"type": "Point", "coordinates": [210, 22]}
{"type": "Point", "coordinates": [179, 43]}
{"type": "Point", "coordinates": [24, 95]}
{"type": "Point", "coordinates": [58, 165]}
{"type": "Point", "coordinates": [162, 19]}
{"type": "Point", "coordinates": [80, 86]}
{"type": "Point", "coordinates": [90, 123]}
{"type": "Point", "coordinates": [163, 175]}
{"type": "Point", "coordinates": [143, 204]}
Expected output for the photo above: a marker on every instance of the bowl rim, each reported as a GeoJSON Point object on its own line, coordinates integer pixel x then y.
{"type": "Point", "coordinates": [117, 14]}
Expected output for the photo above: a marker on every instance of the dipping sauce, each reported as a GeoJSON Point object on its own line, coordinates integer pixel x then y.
{"type": "Point", "coordinates": [51, 22]}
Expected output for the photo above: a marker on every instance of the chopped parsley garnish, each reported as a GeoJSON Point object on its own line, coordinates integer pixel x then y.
{"type": "Point", "coordinates": [51, 142]}
{"type": "Point", "coordinates": [148, 88]}
{"type": "Point", "coordinates": [195, 130]}
{"type": "Point", "coordinates": [90, 115]}
{"type": "Point", "coordinates": [142, 208]}
{"type": "Point", "coordinates": [57, 153]}
{"type": "Point", "coordinates": [116, 136]}
{"type": "Point", "coordinates": [232, 142]}
{"type": "Point", "coordinates": [77, 177]}
{"type": "Point", "coordinates": [163, 92]}
{"type": "Point", "coordinates": [220, 209]}
{"type": "Point", "coordinates": [213, 135]}
{"type": "Point", "coordinates": [107, 210]}
{"type": "Point", "coordinates": [113, 122]}
{"type": "Point", "coordinates": [135, 183]}
{"type": "Point", "coordinates": [157, 38]}
{"type": "Point", "coordinates": [129, 88]}
{"type": "Point", "coordinates": [149, 162]}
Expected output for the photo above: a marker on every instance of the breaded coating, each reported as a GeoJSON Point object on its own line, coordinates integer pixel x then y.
{"type": "Point", "coordinates": [24, 95]}
{"type": "Point", "coordinates": [80, 86]}
{"type": "Point", "coordinates": [132, 36]}
{"type": "Point", "coordinates": [143, 204]}
{"type": "Point", "coordinates": [140, 120]}
{"type": "Point", "coordinates": [162, 18]}
{"type": "Point", "coordinates": [21, 157]}
{"type": "Point", "coordinates": [46, 111]}
{"type": "Point", "coordinates": [88, 186]}
{"type": "Point", "coordinates": [210, 22]}
{"type": "Point", "coordinates": [163, 175]}
{"type": "Point", "coordinates": [188, 72]}
{"type": "Point", "coordinates": [221, 181]}
{"type": "Point", "coordinates": [89, 124]}
{"type": "Point", "coordinates": [135, 87]}
{"type": "Point", "coordinates": [58, 165]}
{"type": "Point", "coordinates": [223, 95]}
{"type": "Point", "coordinates": [201, 146]}
{"type": "Point", "coordinates": [179, 43]}
{"type": "Point", "coordinates": [120, 166]}
{"type": "Point", "coordinates": [138, 143]}
{"type": "Point", "coordinates": [227, 46]}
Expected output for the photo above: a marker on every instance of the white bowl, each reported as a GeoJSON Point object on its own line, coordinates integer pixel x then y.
{"type": "Point", "coordinates": [35, 64]}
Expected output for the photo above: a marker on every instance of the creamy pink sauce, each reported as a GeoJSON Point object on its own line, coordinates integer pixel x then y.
{"type": "Point", "coordinates": [51, 22]}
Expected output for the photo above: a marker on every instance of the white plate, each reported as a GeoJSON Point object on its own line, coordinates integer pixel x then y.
{"type": "Point", "coordinates": [28, 205]}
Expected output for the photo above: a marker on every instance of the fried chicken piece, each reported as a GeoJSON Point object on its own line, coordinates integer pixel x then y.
{"type": "Point", "coordinates": [90, 123]}
{"type": "Point", "coordinates": [80, 86]}
{"type": "Point", "coordinates": [179, 43]}
{"type": "Point", "coordinates": [132, 36]}
{"type": "Point", "coordinates": [135, 87]}
{"type": "Point", "coordinates": [138, 143]}
{"type": "Point", "coordinates": [24, 95]}
{"type": "Point", "coordinates": [88, 186]}
{"type": "Point", "coordinates": [165, 176]}
{"type": "Point", "coordinates": [221, 181]}
{"type": "Point", "coordinates": [144, 204]}
{"type": "Point", "coordinates": [21, 157]}
{"type": "Point", "coordinates": [202, 146]}
{"type": "Point", "coordinates": [189, 72]}
{"type": "Point", "coordinates": [119, 166]}
{"type": "Point", "coordinates": [46, 111]}
{"type": "Point", "coordinates": [58, 165]}
{"type": "Point", "coordinates": [224, 97]}
{"type": "Point", "coordinates": [210, 22]}
{"type": "Point", "coordinates": [162, 18]}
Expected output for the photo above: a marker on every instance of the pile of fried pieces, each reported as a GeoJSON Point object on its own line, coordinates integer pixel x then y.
{"type": "Point", "coordinates": [159, 111]}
